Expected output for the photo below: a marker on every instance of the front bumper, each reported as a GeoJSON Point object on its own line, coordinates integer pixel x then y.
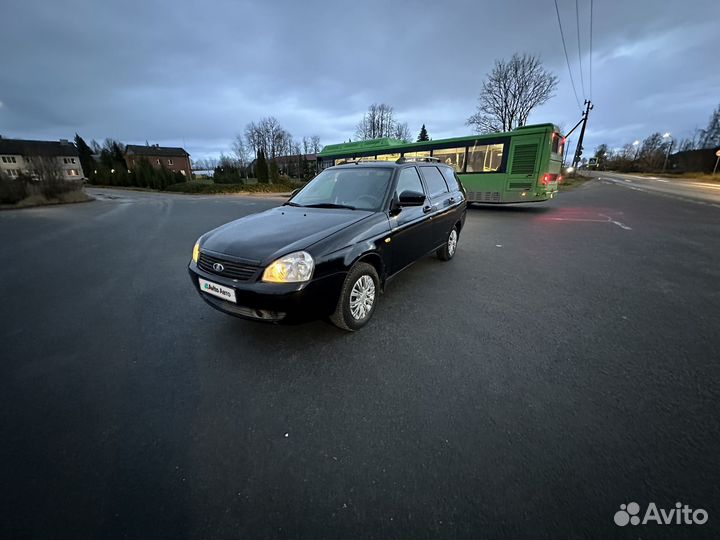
{"type": "Point", "coordinates": [274, 302]}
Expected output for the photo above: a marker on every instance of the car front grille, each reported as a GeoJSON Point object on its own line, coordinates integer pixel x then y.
{"type": "Point", "coordinates": [231, 269]}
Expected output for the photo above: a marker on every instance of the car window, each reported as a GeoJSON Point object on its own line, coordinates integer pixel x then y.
{"type": "Point", "coordinates": [435, 182]}
{"type": "Point", "coordinates": [451, 178]}
{"type": "Point", "coordinates": [362, 188]}
{"type": "Point", "coordinates": [409, 180]}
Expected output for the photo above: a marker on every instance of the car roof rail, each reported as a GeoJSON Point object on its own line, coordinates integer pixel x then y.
{"type": "Point", "coordinates": [427, 159]}
{"type": "Point", "coordinates": [359, 160]}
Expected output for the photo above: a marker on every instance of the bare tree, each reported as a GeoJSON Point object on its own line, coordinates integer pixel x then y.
{"type": "Point", "coordinates": [401, 132]}
{"type": "Point", "coordinates": [269, 136]}
{"type": "Point", "coordinates": [311, 145]}
{"type": "Point", "coordinates": [511, 91]}
{"type": "Point", "coordinates": [710, 136]}
{"type": "Point", "coordinates": [240, 150]}
{"type": "Point", "coordinates": [379, 121]}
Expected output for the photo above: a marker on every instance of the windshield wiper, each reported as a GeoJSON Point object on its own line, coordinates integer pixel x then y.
{"type": "Point", "coordinates": [290, 203]}
{"type": "Point", "coordinates": [329, 205]}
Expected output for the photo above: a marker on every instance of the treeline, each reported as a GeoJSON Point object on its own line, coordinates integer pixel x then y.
{"type": "Point", "coordinates": [266, 151]}
{"type": "Point", "coordinates": [111, 169]}
{"type": "Point", "coordinates": [658, 152]}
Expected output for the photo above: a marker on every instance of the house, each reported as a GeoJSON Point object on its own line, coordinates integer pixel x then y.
{"type": "Point", "coordinates": [19, 156]}
{"type": "Point", "coordinates": [297, 165]}
{"type": "Point", "coordinates": [174, 159]}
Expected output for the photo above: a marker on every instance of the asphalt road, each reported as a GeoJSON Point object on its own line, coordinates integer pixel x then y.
{"type": "Point", "coordinates": [564, 363]}
{"type": "Point", "coordinates": [677, 188]}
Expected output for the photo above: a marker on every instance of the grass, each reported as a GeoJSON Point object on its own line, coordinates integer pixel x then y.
{"type": "Point", "coordinates": [572, 181]}
{"type": "Point", "coordinates": [40, 200]}
{"type": "Point", "coordinates": [198, 188]}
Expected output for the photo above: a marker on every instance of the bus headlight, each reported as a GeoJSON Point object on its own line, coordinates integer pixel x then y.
{"type": "Point", "coordinates": [293, 268]}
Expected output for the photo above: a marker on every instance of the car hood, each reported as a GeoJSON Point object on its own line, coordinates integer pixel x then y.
{"type": "Point", "coordinates": [265, 236]}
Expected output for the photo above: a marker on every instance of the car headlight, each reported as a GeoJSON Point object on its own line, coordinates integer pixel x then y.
{"type": "Point", "coordinates": [196, 252]}
{"type": "Point", "coordinates": [293, 268]}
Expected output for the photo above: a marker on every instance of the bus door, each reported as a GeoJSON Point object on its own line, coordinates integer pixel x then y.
{"type": "Point", "coordinates": [525, 154]}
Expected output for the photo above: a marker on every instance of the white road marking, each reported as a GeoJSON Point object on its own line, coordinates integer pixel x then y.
{"type": "Point", "coordinates": [607, 219]}
{"type": "Point", "coordinates": [614, 222]}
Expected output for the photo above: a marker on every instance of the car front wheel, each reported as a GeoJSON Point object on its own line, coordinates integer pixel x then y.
{"type": "Point", "coordinates": [447, 252]}
{"type": "Point", "coordinates": [358, 298]}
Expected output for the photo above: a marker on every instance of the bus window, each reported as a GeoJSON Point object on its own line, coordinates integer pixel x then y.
{"type": "Point", "coordinates": [484, 157]}
{"type": "Point", "coordinates": [455, 157]}
{"type": "Point", "coordinates": [421, 154]}
{"type": "Point", "coordinates": [388, 157]}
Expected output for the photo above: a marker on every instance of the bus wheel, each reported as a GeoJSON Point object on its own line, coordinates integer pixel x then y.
{"type": "Point", "coordinates": [447, 252]}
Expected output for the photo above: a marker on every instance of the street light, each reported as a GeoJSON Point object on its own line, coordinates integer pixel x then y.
{"type": "Point", "coordinates": [667, 136]}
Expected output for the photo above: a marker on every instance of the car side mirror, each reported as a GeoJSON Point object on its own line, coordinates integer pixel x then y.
{"type": "Point", "coordinates": [412, 198]}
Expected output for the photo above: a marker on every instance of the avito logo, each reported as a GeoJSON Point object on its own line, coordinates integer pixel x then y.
{"type": "Point", "coordinates": [680, 515]}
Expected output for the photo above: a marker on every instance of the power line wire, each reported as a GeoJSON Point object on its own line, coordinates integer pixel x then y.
{"type": "Point", "coordinates": [591, 47]}
{"type": "Point", "coordinates": [577, 23]}
{"type": "Point", "coordinates": [567, 59]}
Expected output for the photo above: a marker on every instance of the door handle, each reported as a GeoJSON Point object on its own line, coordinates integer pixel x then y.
{"type": "Point", "coordinates": [427, 209]}
{"type": "Point", "coordinates": [451, 200]}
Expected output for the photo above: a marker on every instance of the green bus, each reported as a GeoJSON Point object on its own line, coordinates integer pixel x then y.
{"type": "Point", "coordinates": [523, 165]}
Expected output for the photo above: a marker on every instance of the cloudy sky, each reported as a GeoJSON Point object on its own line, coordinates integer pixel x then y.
{"type": "Point", "coordinates": [195, 73]}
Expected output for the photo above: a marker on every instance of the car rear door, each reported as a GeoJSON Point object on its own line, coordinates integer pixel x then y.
{"type": "Point", "coordinates": [442, 202]}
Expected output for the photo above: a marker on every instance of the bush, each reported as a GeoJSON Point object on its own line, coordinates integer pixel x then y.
{"type": "Point", "coordinates": [12, 190]}
{"type": "Point", "coordinates": [52, 188]}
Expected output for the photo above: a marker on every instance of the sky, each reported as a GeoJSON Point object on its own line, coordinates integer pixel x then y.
{"type": "Point", "coordinates": [194, 74]}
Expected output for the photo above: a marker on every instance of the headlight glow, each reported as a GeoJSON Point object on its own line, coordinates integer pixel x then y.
{"type": "Point", "coordinates": [293, 268]}
{"type": "Point", "coordinates": [196, 252]}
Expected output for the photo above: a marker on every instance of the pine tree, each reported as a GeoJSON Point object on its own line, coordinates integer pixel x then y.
{"type": "Point", "coordinates": [423, 136]}
{"type": "Point", "coordinates": [87, 162]}
{"type": "Point", "coordinates": [261, 168]}
{"type": "Point", "coordinates": [274, 173]}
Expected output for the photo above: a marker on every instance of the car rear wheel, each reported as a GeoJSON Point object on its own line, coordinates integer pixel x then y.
{"type": "Point", "coordinates": [447, 252]}
{"type": "Point", "coordinates": [358, 298]}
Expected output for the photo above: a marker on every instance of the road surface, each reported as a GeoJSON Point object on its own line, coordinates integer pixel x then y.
{"type": "Point", "coordinates": [678, 188]}
{"type": "Point", "coordinates": [565, 362]}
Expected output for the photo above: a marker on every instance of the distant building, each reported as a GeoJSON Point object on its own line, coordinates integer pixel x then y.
{"type": "Point", "coordinates": [291, 165]}
{"type": "Point", "coordinates": [174, 159]}
{"type": "Point", "coordinates": [19, 156]}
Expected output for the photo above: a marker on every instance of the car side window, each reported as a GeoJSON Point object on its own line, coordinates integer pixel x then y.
{"type": "Point", "coordinates": [409, 180]}
{"type": "Point", "coordinates": [451, 178]}
{"type": "Point", "coordinates": [435, 181]}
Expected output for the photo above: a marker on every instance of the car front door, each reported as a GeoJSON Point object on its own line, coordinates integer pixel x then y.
{"type": "Point", "coordinates": [411, 226]}
{"type": "Point", "coordinates": [442, 205]}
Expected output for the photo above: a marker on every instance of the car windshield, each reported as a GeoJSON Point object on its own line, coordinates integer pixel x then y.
{"type": "Point", "coordinates": [356, 188]}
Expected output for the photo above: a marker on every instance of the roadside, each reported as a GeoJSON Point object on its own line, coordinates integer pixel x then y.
{"type": "Point", "coordinates": [25, 192]}
{"type": "Point", "coordinates": [116, 192]}
{"type": "Point", "coordinates": [202, 188]}
{"type": "Point", "coordinates": [573, 181]}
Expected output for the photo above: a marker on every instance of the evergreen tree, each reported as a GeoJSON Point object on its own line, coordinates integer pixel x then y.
{"type": "Point", "coordinates": [261, 168]}
{"type": "Point", "coordinates": [274, 173]}
{"type": "Point", "coordinates": [86, 160]}
{"type": "Point", "coordinates": [423, 136]}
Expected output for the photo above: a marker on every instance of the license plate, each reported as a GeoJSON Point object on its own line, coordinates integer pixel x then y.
{"type": "Point", "coordinates": [226, 293]}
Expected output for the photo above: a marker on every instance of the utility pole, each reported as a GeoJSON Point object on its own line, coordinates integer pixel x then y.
{"type": "Point", "coordinates": [579, 147]}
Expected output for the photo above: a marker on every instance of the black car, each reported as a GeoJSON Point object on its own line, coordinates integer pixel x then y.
{"type": "Point", "coordinates": [330, 249]}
